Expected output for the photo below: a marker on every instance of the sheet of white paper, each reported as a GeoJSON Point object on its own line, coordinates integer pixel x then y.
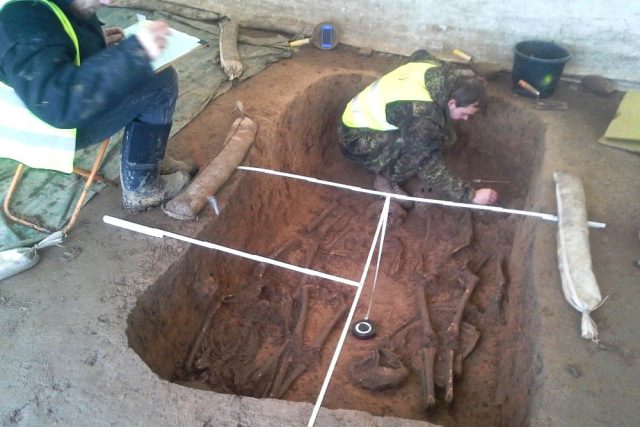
{"type": "Point", "coordinates": [178, 44]}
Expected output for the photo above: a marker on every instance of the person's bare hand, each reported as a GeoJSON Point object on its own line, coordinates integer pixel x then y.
{"type": "Point", "coordinates": [113, 35]}
{"type": "Point", "coordinates": [153, 37]}
{"type": "Point", "coordinates": [485, 196]}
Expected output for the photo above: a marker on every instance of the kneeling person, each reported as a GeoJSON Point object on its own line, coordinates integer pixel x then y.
{"type": "Point", "coordinates": [399, 125]}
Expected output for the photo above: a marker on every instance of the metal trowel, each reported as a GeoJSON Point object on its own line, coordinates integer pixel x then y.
{"type": "Point", "coordinates": [542, 105]}
{"type": "Point", "coordinates": [488, 70]}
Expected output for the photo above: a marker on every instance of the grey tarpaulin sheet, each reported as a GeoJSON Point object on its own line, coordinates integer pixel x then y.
{"type": "Point", "coordinates": [50, 197]}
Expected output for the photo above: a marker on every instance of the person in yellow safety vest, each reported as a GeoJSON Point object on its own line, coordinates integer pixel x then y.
{"type": "Point", "coordinates": [399, 125]}
{"type": "Point", "coordinates": [72, 74]}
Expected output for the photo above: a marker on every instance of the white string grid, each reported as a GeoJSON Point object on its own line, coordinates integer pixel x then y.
{"type": "Point", "coordinates": [379, 236]}
{"type": "Point", "coordinates": [541, 215]}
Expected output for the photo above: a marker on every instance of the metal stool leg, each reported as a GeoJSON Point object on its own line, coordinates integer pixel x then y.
{"type": "Point", "coordinates": [102, 180]}
{"type": "Point", "coordinates": [76, 211]}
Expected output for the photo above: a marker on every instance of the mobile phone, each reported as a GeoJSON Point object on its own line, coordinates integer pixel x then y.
{"type": "Point", "coordinates": [326, 36]}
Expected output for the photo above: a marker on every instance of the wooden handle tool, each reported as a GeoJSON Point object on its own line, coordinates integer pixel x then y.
{"type": "Point", "coordinates": [526, 86]}
{"type": "Point", "coordinates": [462, 55]}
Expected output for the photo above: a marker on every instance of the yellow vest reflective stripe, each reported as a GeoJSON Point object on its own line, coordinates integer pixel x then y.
{"type": "Point", "coordinates": [406, 83]}
{"type": "Point", "coordinates": [26, 138]}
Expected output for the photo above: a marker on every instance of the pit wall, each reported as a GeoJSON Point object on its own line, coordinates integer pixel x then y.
{"type": "Point", "coordinates": [602, 38]}
{"type": "Point", "coordinates": [520, 364]}
{"type": "Point", "coordinates": [524, 141]}
{"type": "Point", "coordinates": [164, 347]}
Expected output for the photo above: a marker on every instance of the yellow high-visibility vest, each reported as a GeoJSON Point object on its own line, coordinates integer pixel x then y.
{"type": "Point", "coordinates": [406, 83]}
{"type": "Point", "coordinates": [26, 138]}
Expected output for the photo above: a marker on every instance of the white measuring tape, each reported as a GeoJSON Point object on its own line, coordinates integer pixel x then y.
{"type": "Point", "coordinates": [345, 330]}
{"type": "Point", "coordinates": [544, 216]}
{"type": "Point", "coordinates": [384, 216]}
{"type": "Point", "coordinates": [156, 232]}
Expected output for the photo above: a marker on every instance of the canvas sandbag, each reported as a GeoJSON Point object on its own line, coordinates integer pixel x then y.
{"type": "Point", "coordinates": [574, 257]}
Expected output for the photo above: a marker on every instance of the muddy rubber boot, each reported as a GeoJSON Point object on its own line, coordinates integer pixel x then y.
{"type": "Point", "coordinates": [170, 165]}
{"type": "Point", "coordinates": [143, 187]}
{"type": "Point", "coordinates": [154, 193]}
{"type": "Point", "coordinates": [383, 184]}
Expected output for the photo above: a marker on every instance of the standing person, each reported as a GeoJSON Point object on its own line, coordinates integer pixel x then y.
{"type": "Point", "coordinates": [399, 125]}
{"type": "Point", "coordinates": [70, 73]}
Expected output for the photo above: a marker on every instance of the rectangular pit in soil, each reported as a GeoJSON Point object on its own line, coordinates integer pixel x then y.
{"type": "Point", "coordinates": [231, 325]}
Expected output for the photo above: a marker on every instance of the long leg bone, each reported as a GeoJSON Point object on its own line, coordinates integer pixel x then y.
{"type": "Point", "coordinates": [397, 339]}
{"type": "Point", "coordinates": [428, 352]}
{"type": "Point", "coordinates": [259, 269]}
{"type": "Point", "coordinates": [328, 225]}
{"type": "Point", "coordinates": [428, 357]}
{"type": "Point", "coordinates": [265, 371]}
{"type": "Point", "coordinates": [203, 330]}
{"type": "Point", "coordinates": [457, 364]}
{"type": "Point", "coordinates": [318, 343]}
{"type": "Point", "coordinates": [404, 326]}
{"type": "Point", "coordinates": [448, 397]}
{"type": "Point", "coordinates": [453, 331]}
{"type": "Point", "coordinates": [323, 215]}
{"type": "Point", "coordinates": [293, 341]}
{"type": "Point", "coordinates": [268, 370]}
{"type": "Point", "coordinates": [312, 354]}
{"type": "Point", "coordinates": [263, 374]}
{"type": "Point", "coordinates": [296, 336]}
{"type": "Point", "coordinates": [346, 230]}
{"type": "Point", "coordinates": [428, 333]}
{"type": "Point", "coordinates": [311, 254]}
{"type": "Point", "coordinates": [396, 258]}
{"type": "Point", "coordinates": [469, 238]}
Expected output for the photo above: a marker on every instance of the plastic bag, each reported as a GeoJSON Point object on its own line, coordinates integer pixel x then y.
{"type": "Point", "coordinates": [17, 260]}
{"type": "Point", "coordinates": [574, 257]}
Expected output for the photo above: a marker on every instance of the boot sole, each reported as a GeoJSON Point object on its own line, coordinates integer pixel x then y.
{"type": "Point", "coordinates": [137, 210]}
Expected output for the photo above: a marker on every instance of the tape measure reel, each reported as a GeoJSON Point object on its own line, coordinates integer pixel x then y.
{"type": "Point", "coordinates": [363, 329]}
{"type": "Point", "coordinates": [325, 36]}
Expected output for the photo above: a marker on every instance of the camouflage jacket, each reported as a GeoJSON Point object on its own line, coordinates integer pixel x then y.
{"type": "Point", "coordinates": [416, 147]}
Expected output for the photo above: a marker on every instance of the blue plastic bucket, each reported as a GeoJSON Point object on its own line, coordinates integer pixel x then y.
{"type": "Point", "coordinates": [540, 64]}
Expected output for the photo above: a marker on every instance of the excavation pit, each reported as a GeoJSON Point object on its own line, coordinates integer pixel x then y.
{"type": "Point", "coordinates": [230, 325]}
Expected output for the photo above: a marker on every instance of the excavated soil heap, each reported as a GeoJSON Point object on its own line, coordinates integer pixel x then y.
{"type": "Point", "coordinates": [230, 325]}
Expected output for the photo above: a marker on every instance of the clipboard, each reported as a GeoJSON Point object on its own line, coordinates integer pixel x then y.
{"type": "Point", "coordinates": [179, 44]}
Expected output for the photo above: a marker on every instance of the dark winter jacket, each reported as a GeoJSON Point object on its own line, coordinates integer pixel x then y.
{"type": "Point", "coordinates": [37, 60]}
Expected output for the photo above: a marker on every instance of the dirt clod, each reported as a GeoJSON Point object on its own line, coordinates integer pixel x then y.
{"type": "Point", "coordinates": [574, 370]}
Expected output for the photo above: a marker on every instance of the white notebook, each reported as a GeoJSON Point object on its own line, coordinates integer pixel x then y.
{"type": "Point", "coordinates": [178, 45]}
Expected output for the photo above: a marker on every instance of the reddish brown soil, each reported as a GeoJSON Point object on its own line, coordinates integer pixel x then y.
{"type": "Point", "coordinates": [248, 312]}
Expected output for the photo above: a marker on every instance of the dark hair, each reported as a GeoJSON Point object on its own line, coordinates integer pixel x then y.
{"type": "Point", "coordinates": [467, 91]}
{"type": "Point", "coordinates": [421, 55]}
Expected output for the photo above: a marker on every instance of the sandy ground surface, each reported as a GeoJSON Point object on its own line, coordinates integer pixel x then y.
{"type": "Point", "coordinates": [64, 347]}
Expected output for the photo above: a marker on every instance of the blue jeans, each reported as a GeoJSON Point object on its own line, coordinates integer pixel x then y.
{"type": "Point", "coordinates": [154, 104]}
